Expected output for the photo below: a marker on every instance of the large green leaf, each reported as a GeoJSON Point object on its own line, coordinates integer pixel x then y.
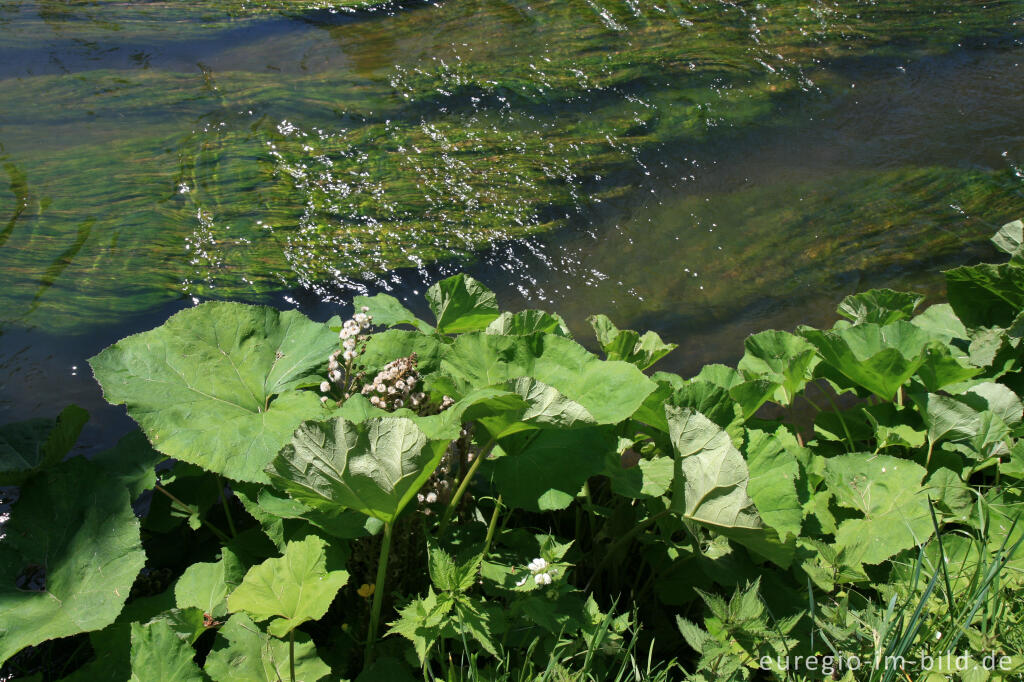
{"type": "Point", "coordinates": [388, 311]}
{"type": "Point", "coordinates": [710, 485]}
{"type": "Point", "coordinates": [981, 417]}
{"type": "Point", "coordinates": [609, 390]}
{"type": "Point", "coordinates": [880, 306]}
{"type": "Point", "coordinates": [384, 347]}
{"type": "Point", "coordinates": [527, 322]}
{"type": "Point", "coordinates": [206, 586]}
{"type": "Point", "coordinates": [132, 461]}
{"type": "Point", "coordinates": [1010, 238]}
{"type": "Point", "coordinates": [774, 471]}
{"type": "Point", "coordinates": [73, 533]}
{"type": "Point", "coordinates": [986, 295]}
{"type": "Point", "coordinates": [545, 470]}
{"type": "Point", "coordinates": [159, 654]}
{"type": "Point", "coordinates": [374, 467]}
{"type": "Point", "coordinates": [462, 304]}
{"type": "Point", "coordinates": [782, 358]}
{"type": "Point", "coordinates": [291, 589]}
{"type": "Point", "coordinates": [879, 358]}
{"type": "Point", "coordinates": [244, 653]}
{"type": "Point", "coordinates": [888, 492]}
{"type": "Point", "coordinates": [32, 446]}
{"type": "Point", "coordinates": [212, 385]}
{"type": "Point", "coordinates": [628, 345]}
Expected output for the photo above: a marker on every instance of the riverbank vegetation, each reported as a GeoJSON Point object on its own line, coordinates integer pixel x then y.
{"type": "Point", "coordinates": [479, 497]}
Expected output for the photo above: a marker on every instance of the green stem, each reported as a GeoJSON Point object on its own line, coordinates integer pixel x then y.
{"type": "Point", "coordinates": [453, 505]}
{"type": "Point", "coordinates": [227, 509]}
{"type": "Point", "coordinates": [492, 526]}
{"type": "Point", "coordinates": [842, 421]}
{"type": "Point", "coordinates": [378, 595]}
{"type": "Point", "coordinates": [623, 539]}
{"type": "Point", "coordinates": [186, 508]}
{"type": "Point", "coordinates": [291, 654]}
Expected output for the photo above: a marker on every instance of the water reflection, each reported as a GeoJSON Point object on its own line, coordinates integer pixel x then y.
{"type": "Point", "coordinates": [680, 165]}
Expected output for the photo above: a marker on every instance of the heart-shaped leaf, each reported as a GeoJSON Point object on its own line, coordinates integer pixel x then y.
{"type": "Point", "coordinates": [880, 306]}
{"type": "Point", "coordinates": [879, 358]}
{"type": "Point", "coordinates": [291, 589]}
{"type": "Point", "coordinates": [887, 491]}
{"type": "Point", "coordinates": [388, 311]}
{"type": "Point", "coordinates": [781, 358]}
{"type": "Point", "coordinates": [70, 554]}
{"type": "Point", "coordinates": [375, 467]}
{"type": "Point", "coordinates": [527, 322]}
{"type": "Point", "coordinates": [628, 345]}
{"type": "Point", "coordinates": [214, 384]}
{"type": "Point", "coordinates": [159, 654]}
{"type": "Point", "coordinates": [32, 446]}
{"type": "Point", "coordinates": [710, 485]}
{"type": "Point", "coordinates": [610, 391]}
{"type": "Point", "coordinates": [206, 586]}
{"type": "Point", "coordinates": [244, 653]}
{"type": "Point", "coordinates": [462, 304]}
{"type": "Point", "coordinates": [986, 295]}
{"type": "Point", "coordinates": [1010, 238]}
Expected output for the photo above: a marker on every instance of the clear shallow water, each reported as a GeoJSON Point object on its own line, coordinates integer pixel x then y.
{"type": "Point", "coordinates": [704, 169]}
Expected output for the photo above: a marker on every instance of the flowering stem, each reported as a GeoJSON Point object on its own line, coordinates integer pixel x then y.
{"type": "Point", "coordinates": [378, 595]}
{"type": "Point", "coordinates": [453, 505]}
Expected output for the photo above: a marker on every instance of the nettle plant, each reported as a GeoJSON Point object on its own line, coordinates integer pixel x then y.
{"type": "Point", "coordinates": [383, 495]}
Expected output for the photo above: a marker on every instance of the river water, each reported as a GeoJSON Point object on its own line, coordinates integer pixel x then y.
{"type": "Point", "coordinates": [703, 169]}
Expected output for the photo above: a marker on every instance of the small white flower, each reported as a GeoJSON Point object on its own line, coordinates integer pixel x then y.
{"type": "Point", "coordinates": [349, 355]}
{"type": "Point", "coordinates": [938, 635]}
{"type": "Point", "coordinates": [323, 400]}
{"type": "Point", "coordinates": [365, 309]}
{"type": "Point", "coordinates": [333, 365]}
{"type": "Point", "coordinates": [537, 564]}
{"type": "Point", "coordinates": [520, 583]}
{"type": "Point", "coordinates": [325, 386]}
{"type": "Point", "coordinates": [334, 376]}
{"type": "Point", "coordinates": [431, 498]}
{"type": "Point", "coordinates": [400, 385]}
{"type": "Point", "coordinates": [542, 579]}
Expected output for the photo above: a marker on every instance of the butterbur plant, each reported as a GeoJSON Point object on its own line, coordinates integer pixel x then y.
{"type": "Point", "coordinates": [481, 497]}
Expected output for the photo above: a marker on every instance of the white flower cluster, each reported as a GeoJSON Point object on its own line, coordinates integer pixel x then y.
{"type": "Point", "coordinates": [438, 487]}
{"type": "Point", "coordinates": [540, 571]}
{"type": "Point", "coordinates": [340, 361]}
{"type": "Point", "coordinates": [351, 331]}
{"type": "Point", "coordinates": [396, 386]}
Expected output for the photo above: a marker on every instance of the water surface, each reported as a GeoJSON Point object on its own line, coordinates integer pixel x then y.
{"type": "Point", "coordinates": [705, 169]}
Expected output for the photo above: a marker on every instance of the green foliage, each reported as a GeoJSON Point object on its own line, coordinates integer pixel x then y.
{"type": "Point", "coordinates": [158, 653]}
{"type": "Point", "coordinates": [537, 507]}
{"type": "Point", "coordinates": [374, 467]}
{"type": "Point", "coordinates": [244, 653]}
{"type": "Point", "coordinates": [69, 555]}
{"type": "Point", "coordinates": [216, 384]}
{"type": "Point", "coordinates": [27, 448]}
{"type": "Point", "coordinates": [291, 589]}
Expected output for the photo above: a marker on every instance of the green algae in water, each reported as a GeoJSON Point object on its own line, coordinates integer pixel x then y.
{"type": "Point", "coordinates": [235, 183]}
